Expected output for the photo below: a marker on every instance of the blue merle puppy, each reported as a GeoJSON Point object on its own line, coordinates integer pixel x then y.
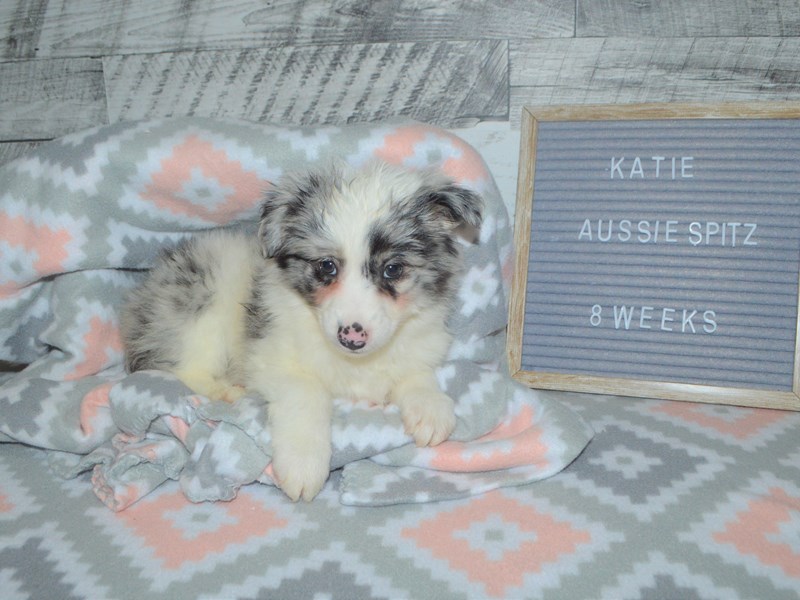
{"type": "Point", "coordinates": [344, 293]}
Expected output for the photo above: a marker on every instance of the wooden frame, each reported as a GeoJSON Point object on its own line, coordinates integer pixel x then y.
{"type": "Point", "coordinates": [531, 118]}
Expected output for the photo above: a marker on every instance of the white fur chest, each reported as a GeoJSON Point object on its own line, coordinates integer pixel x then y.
{"type": "Point", "coordinates": [358, 381]}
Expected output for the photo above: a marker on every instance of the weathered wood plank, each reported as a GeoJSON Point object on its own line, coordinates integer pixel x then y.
{"type": "Point", "coordinates": [105, 27]}
{"type": "Point", "coordinates": [21, 24]}
{"type": "Point", "coordinates": [41, 99]}
{"type": "Point", "coordinates": [446, 83]}
{"type": "Point", "coordinates": [624, 70]}
{"type": "Point", "coordinates": [11, 150]}
{"type": "Point", "coordinates": [687, 18]}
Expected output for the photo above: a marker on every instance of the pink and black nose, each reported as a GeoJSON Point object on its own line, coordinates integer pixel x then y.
{"type": "Point", "coordinates": [353, 336]}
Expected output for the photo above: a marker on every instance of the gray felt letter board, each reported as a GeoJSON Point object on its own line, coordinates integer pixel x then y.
{"type": "Point", "coordinates": [658, 251]}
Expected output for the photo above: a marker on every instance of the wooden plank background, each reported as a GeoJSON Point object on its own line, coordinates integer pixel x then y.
{"type": "Point", "coordinates": [70, 64]}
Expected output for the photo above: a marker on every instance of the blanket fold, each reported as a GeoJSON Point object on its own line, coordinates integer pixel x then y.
{"type": "Point", "coordinates": [83, 216]}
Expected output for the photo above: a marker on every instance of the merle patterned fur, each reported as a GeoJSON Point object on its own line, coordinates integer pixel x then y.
{"type": "Point", "coordinates": [415, 237]}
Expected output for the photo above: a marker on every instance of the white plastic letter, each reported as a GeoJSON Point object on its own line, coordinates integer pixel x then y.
{"type": "Point", "coordinates": [616, 166]}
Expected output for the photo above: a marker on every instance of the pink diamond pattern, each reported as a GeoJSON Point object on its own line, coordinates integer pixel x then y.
{"type": "Point", "coordinates": [540, 540]}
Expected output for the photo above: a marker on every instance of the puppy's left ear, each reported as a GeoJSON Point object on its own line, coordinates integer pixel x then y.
{"type": "Point", "coordinates": [458, 208]}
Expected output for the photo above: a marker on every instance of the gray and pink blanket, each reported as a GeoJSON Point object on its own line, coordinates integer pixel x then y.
{"type": "Point", "coordinates": [83, 217]}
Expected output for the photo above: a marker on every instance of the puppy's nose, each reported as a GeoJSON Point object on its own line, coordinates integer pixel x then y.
{"type": "Point", "coordinates": [353, 336]}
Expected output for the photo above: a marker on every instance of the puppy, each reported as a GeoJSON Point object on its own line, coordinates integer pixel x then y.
{"type": "Point", "coordinates": [344, 293]}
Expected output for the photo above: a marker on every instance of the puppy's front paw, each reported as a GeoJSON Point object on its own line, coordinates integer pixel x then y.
{"type": "Point", "coordinates": [428, 416]}
{"type": "Point", "coordinates": [233, 393]}
{"type": "Point", "coordinates": [301, 471]}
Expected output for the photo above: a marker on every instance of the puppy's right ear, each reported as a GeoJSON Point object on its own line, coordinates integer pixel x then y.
{"type": "Point", "coordinates": [294, 206]}
{"type": "Point", "coordinates": [283, 203]}
{"type": "Point", "coordinates": [273, 212]}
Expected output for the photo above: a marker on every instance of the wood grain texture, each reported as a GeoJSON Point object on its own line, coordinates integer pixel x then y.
{"type": "Point", "coordinates": [106, 27]}
{"type": "Point", "coordinates": [687, 18]}
{"type": "Point", "coordinates": [46, 98]}
{"type": "Point", "coordinates": [448, 83]}
{"type": "Point", "coordinates": [666, 111]}
{"type": "Point", "coordinates": [11, 150]}
{"type": "Point", "coordinates": [21, 23]}
{"type": "Point", "coordinates": [522, 241]}
{"type": "Point", "coordinates": [625, 70]}
{"type": "Point", "coordinates": [660, 389]}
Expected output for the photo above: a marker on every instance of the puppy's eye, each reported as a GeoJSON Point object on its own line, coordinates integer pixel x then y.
{"type": "Point", "coordinates": [393, 271]}
{"type": "Point", "coordinates": [327, 268]}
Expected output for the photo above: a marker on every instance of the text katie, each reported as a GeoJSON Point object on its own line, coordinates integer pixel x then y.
{"type": "Point", "coordinates": [655, 167]}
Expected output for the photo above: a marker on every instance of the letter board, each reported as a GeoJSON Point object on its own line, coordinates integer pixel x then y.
{"type": "Point", "coordinates": [658, 252]}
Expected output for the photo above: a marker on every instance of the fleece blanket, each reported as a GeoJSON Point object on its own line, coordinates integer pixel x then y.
{"type": "Point", "coordinates": [83, 217]}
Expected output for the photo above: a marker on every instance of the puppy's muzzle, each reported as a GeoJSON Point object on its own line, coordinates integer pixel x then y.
{"type": "Point", "coordinates": [353, 336]}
